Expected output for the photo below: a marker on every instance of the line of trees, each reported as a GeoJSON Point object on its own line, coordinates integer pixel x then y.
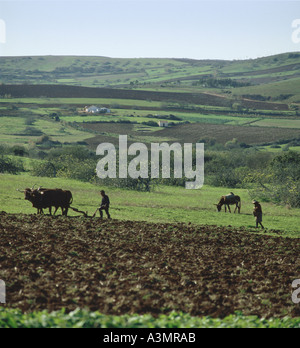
{"type": "Point", "coordinates": [271, 177]}
{"type": "Point", "coordinates": [220, 83]}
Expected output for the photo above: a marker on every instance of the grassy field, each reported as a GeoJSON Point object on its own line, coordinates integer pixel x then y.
{"type": "Point", "coordinates": [25, 125]}
{"type": "Point", "coordinates": [275, 89]}
{"type": "Point", "coordinates": [13, 131]}
{"type": "Point", "coordinates": [232, 265]}
{"type": "Point", "coordinates": [279, 149]}
{"type": "Point", "coordinates": [86, 319]}
{"type": "Point", "coordinates": [281, 123]}
{"type": "Point", "coordinates": [165, 204]}
{"type": "Point", "coordinates": [124, 109]}
{"type": "Point", "coordinates": [81, 101]}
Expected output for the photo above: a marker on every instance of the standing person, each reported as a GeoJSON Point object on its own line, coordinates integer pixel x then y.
{"type": "Point", "coordinates": [257, 212]}
{"type": "Point", "coordinates": [104, 205]}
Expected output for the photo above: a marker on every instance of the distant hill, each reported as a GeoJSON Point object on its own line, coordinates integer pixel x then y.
{"type": "Point", "coordinates": [62, 91]}
{"type": "Point", "coordinates": [274, 78]}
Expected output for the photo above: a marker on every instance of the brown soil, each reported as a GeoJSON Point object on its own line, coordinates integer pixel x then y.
{"type": "Point", "coordinates": [222, 133]}
{"type": "Point", "coordinates": [120, 267]}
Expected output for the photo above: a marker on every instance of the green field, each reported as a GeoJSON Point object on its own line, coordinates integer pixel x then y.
{"type": "Point", "coordinates": [281, 123]}
{"type": "Point", "coordinates": [291, 86]}
{"type": "Point", "coordinates": [23, 121]}
{"type": "Point", "coordinates": [279, 149]}
{"type": "Point", "coordinates": [165, 204]}
{"type": "Point", "coordinates": [81, 101]}
{"type": "Point", "coordinates": [13, 131]}
{"type": "Point", "coordinates": [141, 116]}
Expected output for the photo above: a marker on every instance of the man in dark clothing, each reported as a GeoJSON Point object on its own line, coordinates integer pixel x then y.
{"type": "Point", "coordinates": [104, 205]}
{"type": "Point", "coordinates": [257, 212]}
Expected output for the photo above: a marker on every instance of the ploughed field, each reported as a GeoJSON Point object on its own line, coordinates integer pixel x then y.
{"type": "Point", "coordinates": [193, 133]}
{"type": "Point", "coordinates": [120, 267]}
{"type": "Point", "coordinates": [65, 91]}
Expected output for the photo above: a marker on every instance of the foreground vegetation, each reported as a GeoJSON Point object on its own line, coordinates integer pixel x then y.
{"type": "Point", "coordinates": [85, 319]}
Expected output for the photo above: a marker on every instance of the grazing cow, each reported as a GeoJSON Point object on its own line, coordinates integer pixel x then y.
{"type": "Point", "coordinates": [47, 198]}
{"type": "Point", "coordinates": [229, 200]}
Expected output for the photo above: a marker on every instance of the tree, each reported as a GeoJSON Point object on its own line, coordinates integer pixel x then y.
{"type": "Point", "coordinates": [9, 166]}
{"type": "Point", "coordinates": [281, 180]}
{"type": "Point", "coordinates": [232, 144]}
{"type": "Point", "coordinates": [45, 169]}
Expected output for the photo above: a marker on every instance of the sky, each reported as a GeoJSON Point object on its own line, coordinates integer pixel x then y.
{"type": "Point", "coordinates": [196, 29]}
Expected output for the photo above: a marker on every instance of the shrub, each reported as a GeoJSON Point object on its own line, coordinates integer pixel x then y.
{"type": "Point", "coordinates": [140, 184]}
{"type": "Point", "coordinates": [151, 124]}
{"type": "Point", "coordinates": [225, 178]}
{"type": "Point", "coordinates": [7, 165]}
{"type": "Point", "coordinates": [45, 169]}
{"type": "Point", "coordinates": [232, 144]}
{"type": "Point", "coordinates": [75, 168]}
{"type": "Point", "coordinates": [4, 149]}
{"type": "Point", "coordinates": [78, 152]}
{"type": "Point", "coordinates": [18, 151]}
{"type": "Point", "coordinates": [208, 141]}
{"type": "Point", "coordinates": [33, 131]}
{"type": "Point", "coordinates": [29, 121]}
{"type": "Point", "coordinates": [281, 181]}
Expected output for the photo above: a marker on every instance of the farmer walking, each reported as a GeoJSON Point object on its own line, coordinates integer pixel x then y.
{"type": "Point", "coordinates": [104, 205]}
{"type": "Point", "coordinates": [257, 212]}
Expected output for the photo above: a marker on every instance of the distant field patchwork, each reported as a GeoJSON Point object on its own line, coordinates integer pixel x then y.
{"type": "Point", "coordinates": [193, 133]}
{"type": "Point", "coordinates": [282, 123]}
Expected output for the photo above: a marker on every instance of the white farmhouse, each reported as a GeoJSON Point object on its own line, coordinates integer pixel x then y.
{"type": "Point", "coordinates": [92, 109]}
{"type": "Point", "coordinates": [96, 110]}
{"type": "Point", "coordinates": [163, 124]}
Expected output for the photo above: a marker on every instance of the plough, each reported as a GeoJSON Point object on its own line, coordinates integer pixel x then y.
{"type": "Point", "coordinates": [85, 214]}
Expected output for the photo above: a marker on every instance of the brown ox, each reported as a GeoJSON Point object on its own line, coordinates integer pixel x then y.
{"type": "Point", "coordinates": [47, 198]}
{"type": "Point", "coordinates": [227, 201]}
{"type": "Point", "coordinates": [31, 197]}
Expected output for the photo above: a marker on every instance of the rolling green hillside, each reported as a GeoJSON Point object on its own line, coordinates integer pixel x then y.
{"type": "Point", "coordinates": [231, 99]}
{"type": "Point", "coordinates": [280, 72]}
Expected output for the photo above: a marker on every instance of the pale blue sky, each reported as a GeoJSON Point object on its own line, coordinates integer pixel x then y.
{"type": "Point", "coordinates": [149, 28]}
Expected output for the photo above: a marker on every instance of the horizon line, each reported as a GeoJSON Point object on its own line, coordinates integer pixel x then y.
{"type": "Point", "coordinates": [183, 58]}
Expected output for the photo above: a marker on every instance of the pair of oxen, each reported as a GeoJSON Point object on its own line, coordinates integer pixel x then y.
{"type": "Point", "coordinates": [42, 198]}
